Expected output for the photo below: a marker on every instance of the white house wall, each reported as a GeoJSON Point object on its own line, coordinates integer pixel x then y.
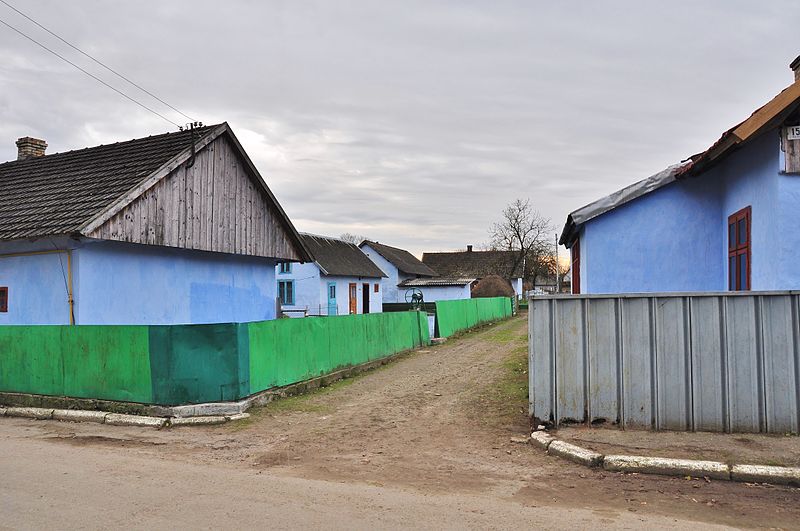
{"type": "Point", "coordinates": [445, 293]}
{"type": "Point", "coordinates": [388, 285]}
{"type": "Point", "coordinates": [306, 279]}
{"type": "Point", "coordinates": [343, 293]}
{"type": "Point", "coordinates": [311, 291]}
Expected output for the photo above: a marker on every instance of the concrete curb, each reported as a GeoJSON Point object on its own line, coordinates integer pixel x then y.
{"type": "Point", "coordinates": [30, 413]}
{"type": "Point", "coordinates": [116, 419]}
{"type": "Point", "coordinates": [542, 439]}
{"type": "Point", "coordinates": [778, 475]}
{"type": "Point", "coordinates": [666, 466]}
{"type": "Point", "coordinates": [576, 454]}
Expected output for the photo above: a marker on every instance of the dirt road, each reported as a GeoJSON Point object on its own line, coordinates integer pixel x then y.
{"type": "Point", "coordinates": [423, 442]}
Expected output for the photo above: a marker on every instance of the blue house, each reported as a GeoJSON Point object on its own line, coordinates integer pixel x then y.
{"type": "Point", "coordinates": [724, 219]}
{"type": "Point", "coordinates": [168, 229]}
{"type": "Point", "coordinates": [340, 280]}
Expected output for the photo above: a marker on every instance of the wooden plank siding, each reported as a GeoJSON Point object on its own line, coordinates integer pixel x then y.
{"type": "Point", "coordinates": [215, 205]}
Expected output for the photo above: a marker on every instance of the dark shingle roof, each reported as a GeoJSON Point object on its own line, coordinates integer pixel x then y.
{"type": "Point", "coordinates": [475, 264]}
{"type": "Point", "coordinates": [402, 259]}
{"type": "Point", "coordinates": [340, 258]}
{"type": "Point", "coordinates": [58, 193]}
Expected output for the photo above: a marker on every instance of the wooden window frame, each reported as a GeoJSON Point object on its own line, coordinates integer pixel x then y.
{"type": "Point", "coordinates": [3, 299]}
{"type": "Point", "coordinates": [737, 249]}
{"type": "Point", "coordinates": [575, 251]}
{"type": "Point", "coordinates": [377, 288]}
{"type": "Point", "coordinates": [282, 290]}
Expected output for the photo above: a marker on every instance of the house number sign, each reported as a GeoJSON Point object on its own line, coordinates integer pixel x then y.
{"type": "Point", "coordinates": [793, 132]}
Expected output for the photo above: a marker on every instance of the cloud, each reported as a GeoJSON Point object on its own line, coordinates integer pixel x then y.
{"type": "Point", "coordinates": [416, 122]}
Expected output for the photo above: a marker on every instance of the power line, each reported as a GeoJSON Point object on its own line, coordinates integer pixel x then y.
{"type": "Point", "coordinates": [142, 105]}
{"type": "Point", "coordinates": [99, 62]}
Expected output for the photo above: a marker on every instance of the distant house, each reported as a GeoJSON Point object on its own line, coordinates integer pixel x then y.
{"type": "Point", "coordinates": [173, 228]}
{"type": "Point", "coordinates": [478, 264]}
{"type": "Point", "coordinates": [724, 219]}
{"type": "Point", "coordinates": [341, 280]}
{"type": "Point", "coordinates": [399, 266]}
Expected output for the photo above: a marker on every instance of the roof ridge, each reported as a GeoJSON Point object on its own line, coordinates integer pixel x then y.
{"type": "Point", "coordinates": [205, 130]}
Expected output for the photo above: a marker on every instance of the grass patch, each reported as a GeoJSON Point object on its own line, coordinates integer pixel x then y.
{"type": "Point", "coordinates": [504, 401]}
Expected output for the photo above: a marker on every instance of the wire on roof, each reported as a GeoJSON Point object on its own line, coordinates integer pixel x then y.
{"type": "Point", "coordinates": [140, 104]}
{"type": "Point", "coordinates": [59, 37]}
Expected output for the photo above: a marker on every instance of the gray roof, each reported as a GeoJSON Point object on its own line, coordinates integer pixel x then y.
{"type": "Point", "coordinates": [617, 199]}
{"type": "Point", "coordinates": [401, 259]}
{"type": "Point", "coordinates": [438, 281]}
{"type": "Point", "coordinates": [340, 258]}
{"type": "Point", "coordinates": [59, 193]}
{"type": "Point", "coordinates": [475, 264]}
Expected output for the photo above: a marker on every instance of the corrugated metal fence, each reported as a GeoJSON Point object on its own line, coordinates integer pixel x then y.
{"type": "Point", "coordinates": [676, 361]}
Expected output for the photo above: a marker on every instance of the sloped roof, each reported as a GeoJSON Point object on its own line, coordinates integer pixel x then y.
{"type": "Point", "coordinates": [766, 117]}
{"type": "Point", "coordinates": [401, 259]}
{"type": "Point", "coordinates": [475, 264]}
{"type": "Point", "coordinates": [75, 192]}
{"type": "Point", "coordinates": [433, 282]}
{"type": "Point", "coordinates": [340, 258]}
{"type": "Point", "coordinates": [58, 193]}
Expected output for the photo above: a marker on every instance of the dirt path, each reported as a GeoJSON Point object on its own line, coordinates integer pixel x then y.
{"type": "Point", "coordinates": [427, 438]}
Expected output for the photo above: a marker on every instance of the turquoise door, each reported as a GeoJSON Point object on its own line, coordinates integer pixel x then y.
{"type": "Point", "coordinates": [332, 298]}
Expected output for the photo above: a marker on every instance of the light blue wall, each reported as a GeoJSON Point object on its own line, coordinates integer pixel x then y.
{"type": "Point", "coordinates": [675, 239]}
{"type": "Point", "coordinates": [647, 245]}
{"type": "Point", "coordinates": [119, 283]}
{"type": "Point", "coordinates": [37, 283]}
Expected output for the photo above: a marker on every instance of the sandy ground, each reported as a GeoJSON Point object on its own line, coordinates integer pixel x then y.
{"type": "Point", "coordinates": [423, 442]}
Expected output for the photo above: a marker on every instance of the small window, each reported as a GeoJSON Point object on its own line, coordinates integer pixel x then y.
{"type": "Point", "coordinates": [377, 288]}
{"type": "Point", "coordinates": [286, 291]}
{"type": "Point", "coordinates": [739, 265]}
{"type": "Point", "coordinates": [3, 300]}
{"type": "Point", "coordinates": [331, 291]}
{"type": "Point", "coordinates": [285, 268]}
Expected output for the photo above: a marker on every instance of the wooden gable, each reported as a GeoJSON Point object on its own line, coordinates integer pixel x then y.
{"type": "Point", "coordinates": [215, 203]}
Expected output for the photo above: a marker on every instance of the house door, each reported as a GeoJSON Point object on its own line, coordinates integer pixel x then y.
{"type": "Point", "coordinates": [353, 298]}
{"type": "Point", "coordinates": [332, 298]}
{"type": "Point", "coordinates": [365, 298]}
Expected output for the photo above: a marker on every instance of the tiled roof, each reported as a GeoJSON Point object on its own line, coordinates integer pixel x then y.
{"type": "Point", "coordinates": [340, 258]}
{"type": "Point", "coordinates": [401, 259]}
{"type": "Point", "coordinates": [475, 264]}
{"type": "Point", "coordinates": [58, 193]}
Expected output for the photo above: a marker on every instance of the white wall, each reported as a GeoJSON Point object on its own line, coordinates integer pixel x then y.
{"type": "Point", "coordinates": [516, 283]}
{"type": "Point", "coordinates": [306, 285]}
{"type": "Point", "coordinates": [343, 293]}
{"type": "Point", "coordinates": [389, 284]}
{"type": "Point", "coordinates": [311, 291]}
{"type": "Point", "coordinates": [445, 293]}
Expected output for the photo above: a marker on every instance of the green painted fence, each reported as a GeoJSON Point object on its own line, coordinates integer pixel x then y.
{"type": "Point", "coordinates": [456, 315]}
{"type": "Point", "coordinates": [185, 364]}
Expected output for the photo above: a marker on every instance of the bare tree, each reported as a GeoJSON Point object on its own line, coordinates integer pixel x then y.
{"type": "Point", "coordinates": [355, 239]}
{"type": "Point", "coordinates": [526, 232]}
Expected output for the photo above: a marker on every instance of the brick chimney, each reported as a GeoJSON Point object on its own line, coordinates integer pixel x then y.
{"type": "Point", "coordinates": [795, 66]}
{"type": "Point", "coordinates": [28, 147]}
{"type": "Point", "coordinates": [469, 248]}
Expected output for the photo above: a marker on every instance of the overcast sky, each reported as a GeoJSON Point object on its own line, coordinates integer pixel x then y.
{"type": "Point", "coordinates": [413, 123]}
